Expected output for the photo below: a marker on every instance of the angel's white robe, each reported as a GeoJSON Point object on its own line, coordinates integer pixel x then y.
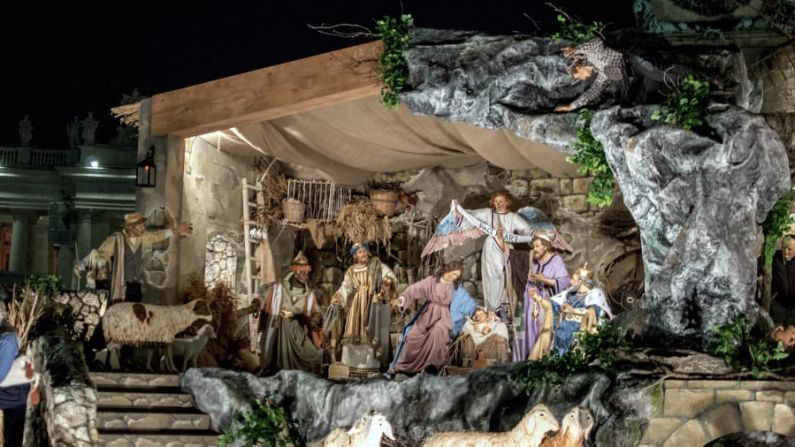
{"type": "Point", "coordinates": [493, 259]}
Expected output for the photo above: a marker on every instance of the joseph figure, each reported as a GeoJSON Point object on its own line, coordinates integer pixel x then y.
{"type": "Point", "coordinates": [290, 323]}
{"type": "Point", "coordinates": [366, 292]}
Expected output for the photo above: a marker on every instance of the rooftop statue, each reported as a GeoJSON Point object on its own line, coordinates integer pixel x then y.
{"type": "Point", "coordinates": [73, 132]}
{"type": "Point", "coordinates": [25, 131]}
{"type": "Point", "coordinates": [89, 129]}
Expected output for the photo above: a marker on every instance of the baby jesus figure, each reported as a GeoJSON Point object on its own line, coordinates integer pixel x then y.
{"type": "Point", "coordinates": [483, 321]}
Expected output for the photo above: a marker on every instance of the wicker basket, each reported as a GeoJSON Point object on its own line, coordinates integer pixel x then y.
{"type": "Point", "coordinates": [384, 201]}
{"type": "Point", "coordinates": [293, 210]}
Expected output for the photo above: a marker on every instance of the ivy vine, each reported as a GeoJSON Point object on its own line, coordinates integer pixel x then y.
{"type": "Point", "coordinates": [685, 104]}
{"type": "Point", "coordinates": [778, 221]}
{"type": "Point", "coordinates": [394, 32]}
{"type": "Point", "coordinates": [588, 348]}
{"type": "Point", "coordinates": [590, 155]}
{"type": "Point", "coordinates": [743, 352]}
{"type": "Point", "coordinates": [264, 425]}
{"type": "Point", "coordinates": [574, 31]}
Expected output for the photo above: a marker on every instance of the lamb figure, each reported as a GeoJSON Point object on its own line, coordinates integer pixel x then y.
{"type": "Point", "coordinates": [365, 432]}
{"type": "Point", "coordinates": [529, 432]}
{"type": "Point", "coordinates": [188, 348]}
{"type": "Point", "coordinates": [574, 431]}
{"type": "Point", "coordinates": [139, 324]}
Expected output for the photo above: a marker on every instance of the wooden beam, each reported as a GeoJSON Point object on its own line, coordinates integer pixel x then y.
{"type": "Point", "coordinates": [269, 93]}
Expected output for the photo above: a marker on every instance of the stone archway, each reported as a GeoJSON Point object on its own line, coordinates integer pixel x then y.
{"type": "Point", "coordinates": [696, 412]}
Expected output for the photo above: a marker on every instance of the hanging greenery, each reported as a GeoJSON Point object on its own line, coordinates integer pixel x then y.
{"type": "Point", "coordinates": [777, 222]}
{"type": "Point", "coordinates": [394, 32]}
{"type": "Point", "coordinates": [590, 155]}
{"type": "Point", "coordinates": [575, 31]}
{"type": "Point", "coordinates": [743, 352]}
{"type": "Point", "coordinates": [265, 425]}
{"type": "Point", "coordinates": [685, 104]}
{"type": "Point", "coordinates": [588, 348]}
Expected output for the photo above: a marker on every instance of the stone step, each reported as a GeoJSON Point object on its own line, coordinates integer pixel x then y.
{"type": "Point", "coordinates": [162, 419]}
{"type": "Point", "coordinates": [157, 439]}
{"type": "Point", "coordinates": [145, 399]}
{"type": "Point", "coordinates": [139, 380]}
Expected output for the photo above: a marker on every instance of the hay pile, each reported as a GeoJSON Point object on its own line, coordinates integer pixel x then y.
{"type": "Point", "coordinates": [222, 350]}
{"type": "Point", "coordinates": [358, 222]}
{"type": "Point", "coordinates": [274, 189]}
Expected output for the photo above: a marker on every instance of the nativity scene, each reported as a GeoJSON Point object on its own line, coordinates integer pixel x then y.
{"type": "Point", "coordinates": [551, 241]}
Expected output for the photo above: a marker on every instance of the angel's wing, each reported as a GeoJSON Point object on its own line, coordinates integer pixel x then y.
{"type": "Point", "coordinates": [449, 232]}
{"type": "Point", "coordinates": [541, 224]}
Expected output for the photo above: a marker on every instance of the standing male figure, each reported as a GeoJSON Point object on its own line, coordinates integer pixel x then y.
{"type": "Point", "coordinates": [782, 308]}
{"type": "Point", "coordinates": [290, 322]}
{"type": "Point", "coordinates": [126, 249]}
{"type": "Point", "coordinates": [366, 292]}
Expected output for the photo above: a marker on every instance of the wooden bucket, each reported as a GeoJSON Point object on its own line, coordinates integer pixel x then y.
{"type": "Point", "coordinates": [384, 201]}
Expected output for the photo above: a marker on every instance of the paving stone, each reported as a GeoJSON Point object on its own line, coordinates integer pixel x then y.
{"type": "Point", "coordinates": [159, 440]}
{"type": "Point", "coordinates": [784, 420]}
{"type": "Point", "coordinates": [144, 400]}
{"type": "Point", "coordinates": [687, 403]}
{"type": "Point", "coordinates": [756, 416]}
{"type": "Point", "coordinates": [134, 379]}
{"type": "Point", "coordinates": [722, 420]}
{"type": "Point", "coordinates": [151, 421]}
{"type": "Point", "coordinates": [660, 429]}
{"type": "Point", "coordinates": [692, 433]}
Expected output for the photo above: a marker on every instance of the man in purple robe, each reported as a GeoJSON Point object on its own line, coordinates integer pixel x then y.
{"type": "Point", "coordinates": [548, 276]}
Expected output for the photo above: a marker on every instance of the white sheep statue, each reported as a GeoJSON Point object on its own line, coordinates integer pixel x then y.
{"type": "Point", "coordinates": [575, 428]}
{"type": "Point", "coordinates": [529, 432]}
{"type": "Point", "coordinates": [139, 324]}
{"type": "Point", "coordinates": [188, 348]}
{"type": "Point", "coordinates": [365, 432]}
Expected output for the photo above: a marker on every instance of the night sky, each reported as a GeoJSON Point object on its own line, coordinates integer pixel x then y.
{"type": "Point", "coordinates": [61, 60]}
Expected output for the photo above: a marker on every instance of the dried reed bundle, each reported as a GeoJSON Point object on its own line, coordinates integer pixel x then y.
{"type": "Point", "coordinates": [24, 312]}
{"type": "Point", "coordinates": [358, 223]}
{"type": "Point", "coordinates": [274, 190]}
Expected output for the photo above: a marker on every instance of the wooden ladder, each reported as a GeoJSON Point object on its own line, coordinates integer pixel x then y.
{"type": "Point", "coordinates": [252, 281]}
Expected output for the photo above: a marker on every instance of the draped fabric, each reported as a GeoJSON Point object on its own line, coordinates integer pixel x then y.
{"type": "Point", "coordinates": [349, 142]}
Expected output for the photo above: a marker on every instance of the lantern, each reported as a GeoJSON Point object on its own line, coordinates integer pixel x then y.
{"type": "Point", "coordinates": [146, 174]}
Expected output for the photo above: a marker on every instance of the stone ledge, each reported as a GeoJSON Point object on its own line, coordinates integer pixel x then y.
{"type": "Point", "coordinates": [686, 402]}
{"type": "Point", "coordinates": [692, 433]}
{"type": "Point", "coordinates": [660, 429]}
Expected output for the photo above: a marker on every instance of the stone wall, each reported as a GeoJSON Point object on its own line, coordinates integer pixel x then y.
{"type": "Point", "coordinates": [212, 201]}
{"type": "Point", "coordinates": [67, 413]}
{"type": "Point", "coordinates": [695, 412]}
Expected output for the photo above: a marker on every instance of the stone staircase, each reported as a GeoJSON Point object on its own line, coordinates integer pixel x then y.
{"type": "Point", "coordinates": [148, 410]}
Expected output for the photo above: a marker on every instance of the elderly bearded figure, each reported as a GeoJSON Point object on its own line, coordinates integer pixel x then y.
{"type": "Point", "coordinates": [366, 292]}
{"type": "Point", "coordinates": [290, 322]}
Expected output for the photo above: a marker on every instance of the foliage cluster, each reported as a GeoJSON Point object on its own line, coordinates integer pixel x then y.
{"type": "Point", "coordinates": [588, 348]}
{"type": "Point", "coordinates": [575, 31]}
{"type": "Point", "coordinates": [266, 426]}
{"type": "Point", "coordinates": [778, 221]}
{"type": "Point", "coordinates": [46, 284]}
{"type": "Point", "coordinates": [590, 155]}
{"type": "Point", "coordinates": [394, 33]}
{"type": "Point", "coordinates": [743, 352]}
{"type": "Point", "coordinates": [685, 104]}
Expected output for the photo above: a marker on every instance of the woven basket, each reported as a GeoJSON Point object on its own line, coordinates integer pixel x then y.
{"type": "Point", "coordinates": [293, 210]}
{"type": "Point", "coordinates": [384, 201]}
